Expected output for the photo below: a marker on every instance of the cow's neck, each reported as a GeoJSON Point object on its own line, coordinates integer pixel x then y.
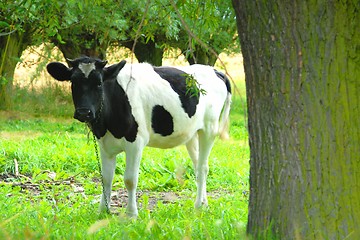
{"type": "Point", "coordinates": [98, 129]}
{"type": "Point", "coordinates": [116, 116]}
{"type": "Point", "coordinates": [98, 126]}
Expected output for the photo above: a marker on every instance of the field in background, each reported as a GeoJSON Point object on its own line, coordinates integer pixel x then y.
{"type": "Point", "coordinates": [35, 89]}
{"type": "Point", "coordinates": [29, 72]}
{"type": "Point", "coordinates": [50, 185]}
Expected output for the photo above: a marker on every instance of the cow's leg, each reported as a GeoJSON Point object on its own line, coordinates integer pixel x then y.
{"type": "Point", "coordinates": [107, 171]}
{"type": "Point", "coordinates": [192, 147]}
{"type": "Point", "coordinates": [206, 141]}
{"type": "Point", "coordinates": [133, 157]}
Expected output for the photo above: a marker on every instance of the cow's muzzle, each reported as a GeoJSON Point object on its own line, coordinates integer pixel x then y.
{"type": "Point", "coordinates": [83, 115]}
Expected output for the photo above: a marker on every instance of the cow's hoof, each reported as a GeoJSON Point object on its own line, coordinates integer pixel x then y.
{"type": "Point", "coordinates": [132, 215]}
{"type": "Point", "coordinates": [201, 204]}
{"type": "Point", "coordinates": [103, 209]}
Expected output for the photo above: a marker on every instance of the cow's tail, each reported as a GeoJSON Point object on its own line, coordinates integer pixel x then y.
{"type": "Point", "coordinates": [225, 119]}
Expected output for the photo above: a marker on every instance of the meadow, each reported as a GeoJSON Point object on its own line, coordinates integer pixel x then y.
{"type": "Point", "coordinates": [50, 184]}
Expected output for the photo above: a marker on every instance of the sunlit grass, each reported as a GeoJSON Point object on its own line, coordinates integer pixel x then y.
{"type": "Point", "coordinates": [50, 141]}
{"type": "Point", "coordinates": [63, 216]}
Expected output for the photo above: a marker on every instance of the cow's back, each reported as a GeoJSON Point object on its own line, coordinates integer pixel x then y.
{"type": "Point", "coordinates": [162, 118]}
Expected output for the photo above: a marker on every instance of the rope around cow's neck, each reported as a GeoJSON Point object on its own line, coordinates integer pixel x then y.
{"type": "Point", "coordinates": [91, 125]}
{"type": "Point", "coordinates": [101, 175]}
{"type": "Point", "coordinates": [98, 114]}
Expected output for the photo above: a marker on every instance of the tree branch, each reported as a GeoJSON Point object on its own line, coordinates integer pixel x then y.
{"type": "Point", "coordinates": [204, 45]}
{"type": "Point", "coordinates": [137, 35]}
{"type": "Point", "coordinates": [8, 33]}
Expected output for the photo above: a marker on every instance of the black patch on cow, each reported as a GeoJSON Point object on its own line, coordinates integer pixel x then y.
{"type": "Point", "coordinates": [177, 80]}
{"type": "Point", "coordinates": [119, 119]}
{"type": "Point", "coordinates": [116, 116]}
{"type": "Point", "coordinates": [162, 121]}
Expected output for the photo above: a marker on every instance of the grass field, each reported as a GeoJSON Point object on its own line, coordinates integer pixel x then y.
{"type": "Point", "coordinates": [50, 183]}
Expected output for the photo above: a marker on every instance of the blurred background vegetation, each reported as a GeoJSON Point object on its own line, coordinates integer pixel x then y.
{"type": "Point", "coordinates": [34, 32]}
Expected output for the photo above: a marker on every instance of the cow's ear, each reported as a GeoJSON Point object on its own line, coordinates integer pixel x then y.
{"type": "Point", "coordinates": [59, 71]}
{"type": "Point", "coordinates": [112, 71]}
{"type": "Point", "coordinates": [100, 64]}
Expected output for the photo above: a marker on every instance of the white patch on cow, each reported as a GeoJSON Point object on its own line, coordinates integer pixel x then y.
{"type": "Point", "coordinates": [86, 68]}
{"type": "Point", "coordinates": [147, 84]}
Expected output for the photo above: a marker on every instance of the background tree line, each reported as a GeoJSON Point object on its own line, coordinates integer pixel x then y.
{"type": "Point", "coordinates": [85, 27]}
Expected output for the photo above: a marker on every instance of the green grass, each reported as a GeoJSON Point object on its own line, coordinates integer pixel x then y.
{"type": "Point", "coordinates": [36, 206]}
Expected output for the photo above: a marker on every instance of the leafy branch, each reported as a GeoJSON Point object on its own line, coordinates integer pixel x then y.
{"type": "Point", "coordinates": [193, 86]}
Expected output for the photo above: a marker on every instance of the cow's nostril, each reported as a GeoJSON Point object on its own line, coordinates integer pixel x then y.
{"type": "Point", "coordinates": [82, 114]}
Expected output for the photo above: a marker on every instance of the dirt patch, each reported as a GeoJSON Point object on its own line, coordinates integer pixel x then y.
{"type": "Point", "coordinates": [27, 185]}
{"type": "Point", "coordinates": [118, 198]}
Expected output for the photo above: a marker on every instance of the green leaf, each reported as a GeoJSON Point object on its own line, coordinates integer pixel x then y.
{"type": "Point", "coordinates": [193, 87]}
{"type": "Point", "coordinates": [4, 24]}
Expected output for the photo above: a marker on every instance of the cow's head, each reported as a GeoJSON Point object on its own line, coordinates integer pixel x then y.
{"type": "Point", "coordinates": [87, 76]}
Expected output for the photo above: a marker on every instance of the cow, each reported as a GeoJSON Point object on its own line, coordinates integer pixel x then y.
{"type": "Point", "coordinates": [130, 106]}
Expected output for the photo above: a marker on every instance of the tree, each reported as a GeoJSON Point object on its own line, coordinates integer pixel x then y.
{"type": "Point", "coordinates": [87, 27]}
{"type": "Point", "coordinates": [16, 27]}
{"type": "Point", "coordinates": [145, 51]}
{"type": "Point", "coordinates": [27, 23]}
{"type": "Point", "coordinates": [212, 22]}
{"type": "Point", "coordinates": [11, 48]}
{"type": "Point", "coordinates": [302, 66]}
{"type": "Point", "coordinates": [150, 25]}
{"type": "Point", "coordinates": [23, 24]}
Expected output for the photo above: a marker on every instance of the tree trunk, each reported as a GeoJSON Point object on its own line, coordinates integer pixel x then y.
{"type": "Point", "coordinates": [200, 56]}
{"type": "Point", "coordinates": [146, 52]}
{"type": "Point", "coordinates": [72, 51]}
{"type": "Point", "coordinates": [11, 48]}
{"type": "Point", "coordinates": [80, 44]}
{"type": "Point", "coordinates": [302, 66]}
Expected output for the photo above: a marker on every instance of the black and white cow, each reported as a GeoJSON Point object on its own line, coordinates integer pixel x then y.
{"type": "Point", "coordinates": [130, 106]}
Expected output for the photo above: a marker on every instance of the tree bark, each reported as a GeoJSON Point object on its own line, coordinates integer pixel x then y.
{"type": "Point", "coordinates": [302, 66]}
{"type": "Point", "coordinates": [145, 52]}
{"type": "Point", "coordinates": [81, 44]}
{"type": "Point", "coordinates": [200, 56]}
{"type": "Point", "coordinates": [11, 48]}
{"type": "Point", "coordinates": [72, 51]}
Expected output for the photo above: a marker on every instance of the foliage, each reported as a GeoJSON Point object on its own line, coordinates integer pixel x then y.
{"type": "Point", "coordinates": [160, 22]}
{"type": "Point", "coordinates": [83, 22]}
{"type": "Point", "coordinates": [213, 22]}
{"type": "Point", "coordinates": [193, 87]}
{"type": "Point", "coordinates": [89, 27]}
{"type": "Point", "coordinates": [81, 26]}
